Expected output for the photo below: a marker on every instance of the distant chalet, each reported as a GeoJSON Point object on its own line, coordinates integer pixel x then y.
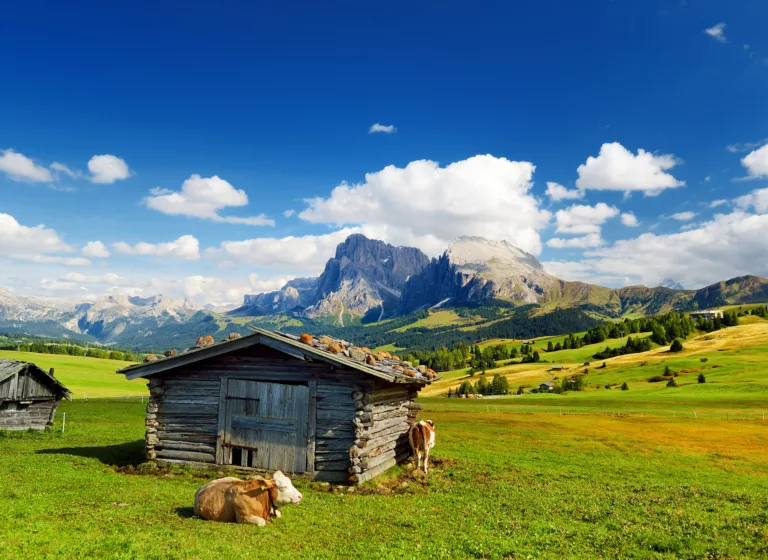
{"type": "Point", "coordinates": [316, 407]}
{"type": "Point", "coordinates": [29, 396]}
{"type": "Point", "coordinates": [710, 315]}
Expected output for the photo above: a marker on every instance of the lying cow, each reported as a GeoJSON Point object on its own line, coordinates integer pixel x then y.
{"type": "Point", "coordinates": [245, 501]}
{"type": "Point", "coordinates": [422, 438]}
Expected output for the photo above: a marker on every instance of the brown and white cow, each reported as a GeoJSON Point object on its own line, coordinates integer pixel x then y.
{"type": "Point", "coordinates": [245, 501]}
{"type": "Point", "coordinates": [422, 438]}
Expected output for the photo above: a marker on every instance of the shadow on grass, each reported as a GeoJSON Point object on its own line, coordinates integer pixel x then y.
{"type": "Point", "coordinates": [186, 512]}
{"type": "Point", "coordinates": [121, 455]}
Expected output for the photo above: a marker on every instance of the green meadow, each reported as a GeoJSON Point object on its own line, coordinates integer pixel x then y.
{"type": "Point", "coordinates": [502, 485]}
{"type": "Point", "coordinates": [92, 376]}
{"type": "Point", "coordinates": [653, 472]}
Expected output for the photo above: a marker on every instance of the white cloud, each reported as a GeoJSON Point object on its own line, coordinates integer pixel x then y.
{"type": "Point", "coordinates": [756, 162]}
{"type": "Point", "coordinates": [683, 216]}
{"type": "Point", "coordinates": [557, 192]}
{"type": "Point", "coordinates": [629, 219]}
{"type": "Point", "coordinates": [95, 249]}
{"type": "Point", "coordinates": [727, 246]}
{"type": "Point", "coordinates": [19, 167]}
{"type": "Point", "coordinates": [581, 218]}
{"type": "Point", "coordinates": [589, 240]}
{"type": "Point", "coordinates": [185, 247]}
{"type": "Point", "coordinates": [707, 179]}
{"type": "Point", "coordinates": [386, 129]}
{"type": "Point", "coordinates": [289, 213]}
{"type": "Point", "coordinates": [427, 206]}
{"type": "Point", "coordinates": [107, 169]}
{"type": "Point", "coordinates": [35, 244]}
{"type": "Point", "coordinates": [306, 254]}
{"type": "Point", "coordinates": [717, 32]}
{"type": "Point", "coordinates": [203, 197]}
{"type": "Point", "coordinates": [618, 169]}
{"type": "Point", "coordinates": [109, 279]}
{"type": "Point", "coordinates": [61, 168]}
{"type": "Point", "coordinates": [757, 199]}
{"type": "Point", "coordinates": [53, 259]}
{"type": "Point", "coordinates": [716, 203]}
{"type": "Point", "coordinates": [745, 146]}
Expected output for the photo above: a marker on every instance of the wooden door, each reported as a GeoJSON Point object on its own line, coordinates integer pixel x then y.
{"type": "Point", "coordinates": [266, 425]}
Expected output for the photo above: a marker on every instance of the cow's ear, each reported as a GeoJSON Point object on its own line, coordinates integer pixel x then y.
{"type": "Point", "coordinates": [431, 423]}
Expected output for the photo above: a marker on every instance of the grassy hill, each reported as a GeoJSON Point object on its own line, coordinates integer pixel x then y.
{"type": "Point", "coordinates": [733, 360]}
{"type": "Point", "coordinates": [93, 376]}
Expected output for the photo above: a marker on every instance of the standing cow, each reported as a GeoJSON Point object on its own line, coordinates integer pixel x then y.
{"type": "Point", "coordinates": [245, 501]}
{"type": "Point", "coordinates": [422, 438]}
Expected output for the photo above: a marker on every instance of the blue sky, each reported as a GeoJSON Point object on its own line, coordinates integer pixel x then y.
{"type": "Point", "coordinates": [271, 108]}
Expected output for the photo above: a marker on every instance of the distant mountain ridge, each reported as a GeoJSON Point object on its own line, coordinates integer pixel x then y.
{"type": "Point", "coordinates": [365, 281]}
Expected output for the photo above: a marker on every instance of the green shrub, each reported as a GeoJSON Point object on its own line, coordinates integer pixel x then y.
{"type": "Point", "coordinates": [677, 346]}
{"type": "Point", "coordinates": [624, 386]}
{"type": "Point", "coordinates": [672, 383]}
{"type": "Point", "coordinates": [656, 379]}
{"type": "Point", "coordinates": [702, 379]}
{"type": "Point", "coordinates": [702, 360]}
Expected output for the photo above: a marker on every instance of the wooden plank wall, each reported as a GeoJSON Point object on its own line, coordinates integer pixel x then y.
{"type": "Point", "coordinates": [35, 416]}
{"type": "Point", "coordinates": [361, 423]}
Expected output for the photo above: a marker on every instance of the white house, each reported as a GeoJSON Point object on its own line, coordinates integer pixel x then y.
{"type": "Point", "coordinates": [709, 314]}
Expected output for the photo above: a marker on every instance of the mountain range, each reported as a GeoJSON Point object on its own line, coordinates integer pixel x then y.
{"type": "Point", "coordinates": [366, 281]}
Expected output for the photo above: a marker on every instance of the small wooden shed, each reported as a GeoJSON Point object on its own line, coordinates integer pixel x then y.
{"type": "Point", "coordinates": [316, 407]}
{"type": "Point", "coordinates": [28, 396]}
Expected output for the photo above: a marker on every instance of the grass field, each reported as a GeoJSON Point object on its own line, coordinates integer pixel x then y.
{"type": "Point", "coordinates": [733, 360]}
{"type": "Point", "coordinates": [93, 376]}
{"type": "Point", "coordinates": [502, 486]}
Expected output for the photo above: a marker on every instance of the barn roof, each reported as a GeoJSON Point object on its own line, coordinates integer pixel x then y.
{"type": "Point", "coordinates": [333, 351]}
{"type": "Point", "coordinates": [12, 367]}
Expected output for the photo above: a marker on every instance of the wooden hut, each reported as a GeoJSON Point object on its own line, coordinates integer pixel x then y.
{"type": "Point", "coordinates": [28, 396]}
{"type": "Point", "coordinates": [315, 407]}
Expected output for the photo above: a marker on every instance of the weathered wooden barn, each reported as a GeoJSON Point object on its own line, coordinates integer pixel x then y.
{"type": "Point", "coordinates": [28, 396]}
{"type": "Point", "coordinates": [315, 407]}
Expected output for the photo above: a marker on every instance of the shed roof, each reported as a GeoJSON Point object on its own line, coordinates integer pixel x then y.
{"type": "Point", "coordinates": [547, 383]}
{"type": "Point", "coordinates": [12, 367]}
{"type": "Point", "coordinates": [322, 348]}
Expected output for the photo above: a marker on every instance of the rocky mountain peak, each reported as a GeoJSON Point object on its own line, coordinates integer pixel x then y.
{"type": "Point", "coordinates": [479, 250]}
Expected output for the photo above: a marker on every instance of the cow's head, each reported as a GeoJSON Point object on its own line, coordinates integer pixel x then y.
{"type": "Point", "coordinates": [286, 493]}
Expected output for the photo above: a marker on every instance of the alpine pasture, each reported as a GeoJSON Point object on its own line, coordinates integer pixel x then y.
{"type": "Point", "coordinates": [584, 474]}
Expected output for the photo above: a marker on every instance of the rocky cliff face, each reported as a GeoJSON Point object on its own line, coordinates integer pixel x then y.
{"type": "Point", "coordinates": [473, 270]}
{"type": "Point", "coordinates": [364, 274]}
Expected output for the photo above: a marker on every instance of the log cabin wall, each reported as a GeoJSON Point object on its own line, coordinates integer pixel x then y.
{"type": "Point", "coordinates": [38, 415]}
{"type": "Point", "coordinates": [357, 424]}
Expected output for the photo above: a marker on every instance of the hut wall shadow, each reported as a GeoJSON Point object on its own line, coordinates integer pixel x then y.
{"type": "Point", "coordinates": [120, 455]}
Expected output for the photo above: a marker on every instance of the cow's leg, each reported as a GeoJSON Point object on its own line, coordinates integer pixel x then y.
{"type": "Point", "coordinates": [276, 513]}
{"type": "Point", "coordinates": [253, 520]}
{"type": "Point", "coordinates": [426, 459]}
{"type": "Point", "coordinates": [419, 459]}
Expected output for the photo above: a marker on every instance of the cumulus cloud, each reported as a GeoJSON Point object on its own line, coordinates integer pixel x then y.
{"type": "Point", "coordinates": [717, 32]}
{"type": "Point", "coordinates": [107, 169]}
{"type": "Point", "coordinates": [386, 129]}
{"type": "Point", "coordinates": [716, 203]}
{"type": "Point", "coordinates": [61, 168]}
{"type": "Point", "coordinates": [109, 279]}
{"type": "Point", "coordinates": [683, 216]}
{"type": "Point", "coordinates": [589, 240]}
{"type": "Point", "coordinates": [95, 249]}
{"type": "Point", "coordinates": [729, 245]}
{"type": "Point", "coordinates": [20, 168]}
{"type": "Point", "coordinates": [557, 192]}
{"type": "Point", "coordinates": [203, 197]}
{"type": "Point", "coordinates": [618, 169]}
{"type": "Point", "coordinates": [756, 163]}
{"type": "Point", "coordinates": [36, 244]}
{"type": "Point", "coordinates": [289, 213]}
{"type": "Point", "coordinates": [306, 254]}
{"type": "Point", "coordinates": [758, 199]}
{"type": "Point", "coordinates": [581, 218]}
{"type": "Point", "coordinates": [427, 206]}
{"type": "Point", "coordinates": [629, 219]}
{"type": "Point", "coordinates": [185, 247]}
